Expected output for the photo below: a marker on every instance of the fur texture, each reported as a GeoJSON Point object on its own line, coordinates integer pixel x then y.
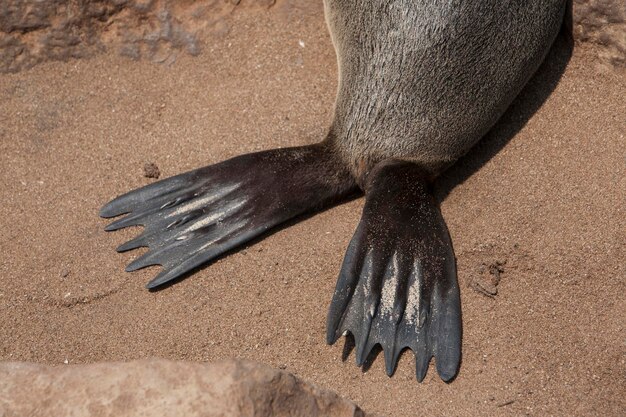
{"type": "Point", "coordinates": [424, 80]}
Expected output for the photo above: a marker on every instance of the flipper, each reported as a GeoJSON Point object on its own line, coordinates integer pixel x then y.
{"type": "Point", "coordinates": [397, 286]}
{"type": "Point", "coordinates": [192, 218]}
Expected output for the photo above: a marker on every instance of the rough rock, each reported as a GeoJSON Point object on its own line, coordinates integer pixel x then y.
{"type": "Point", "coordinates": [157, 387]}
{"type": "Point", "coordinates": [602, 23]}
{"type": "Point", "coordinates": [33, 31]}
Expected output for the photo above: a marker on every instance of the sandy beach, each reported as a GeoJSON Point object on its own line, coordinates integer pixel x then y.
{"type": "Point", "coordinates": [536, 211]}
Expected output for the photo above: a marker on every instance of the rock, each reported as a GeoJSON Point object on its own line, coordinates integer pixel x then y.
{"type": "Point", "coordinates": [602, 23]}
{"type": "Point", "coordinates": [151, 170]}
{"type": "Point", "coordinates": [33, 31]}
{"type": "Point", "coordinates": [157, 387]}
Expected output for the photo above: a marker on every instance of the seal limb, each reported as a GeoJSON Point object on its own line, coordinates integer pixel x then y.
{"type": "Point", "coordinates": [192, 218]}
{"type": "Point", "coordinates": [397, 286]}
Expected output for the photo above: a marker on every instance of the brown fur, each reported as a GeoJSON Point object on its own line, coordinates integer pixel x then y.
{"type": "Point", "coordinates": [425, 80]}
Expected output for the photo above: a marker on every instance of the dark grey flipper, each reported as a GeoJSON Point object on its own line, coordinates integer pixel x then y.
{"type": "Point", "coordinates": [398, 286]}
{"type": "Point", "coordinates": [195, 217]}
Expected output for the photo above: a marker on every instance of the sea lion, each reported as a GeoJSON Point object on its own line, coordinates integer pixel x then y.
{"type": "Point", "coordinates": [420, 82]}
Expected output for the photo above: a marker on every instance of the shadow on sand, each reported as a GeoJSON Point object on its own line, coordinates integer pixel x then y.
{"type": "Point", "coordinates": [530, 99]}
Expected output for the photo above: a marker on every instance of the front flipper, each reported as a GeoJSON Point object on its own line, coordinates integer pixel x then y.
{"type": "Point", "coordinates": [193, 218]}
{"type": "Point", "coordinates": [397, 286]}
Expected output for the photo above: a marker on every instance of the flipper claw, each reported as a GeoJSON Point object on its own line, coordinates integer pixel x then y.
{"type": "Point", "coordinates": [138, 242]}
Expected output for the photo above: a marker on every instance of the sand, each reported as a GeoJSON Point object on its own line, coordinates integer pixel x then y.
{"type": "Point", "coordinates": [538, 208]}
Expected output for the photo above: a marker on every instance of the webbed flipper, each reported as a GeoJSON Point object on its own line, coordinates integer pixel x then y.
{"type": "Point", "coordinates": [398, 286]}
{"type": "Point", "coordinates": [192, 218]}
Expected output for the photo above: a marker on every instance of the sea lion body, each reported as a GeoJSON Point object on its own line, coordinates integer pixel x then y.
{"type": "Point", "coordinates": [425, 80]}
{"type": "Point", "coordinates": [420, 82]}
